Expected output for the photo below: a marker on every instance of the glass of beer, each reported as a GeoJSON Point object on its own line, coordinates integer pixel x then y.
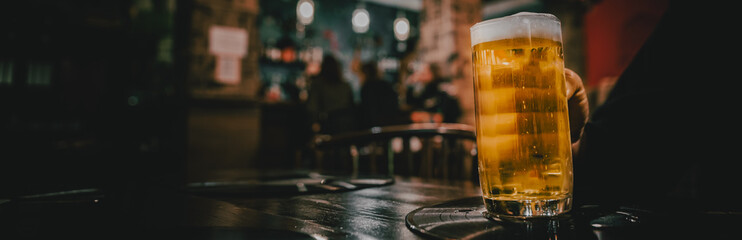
{"type": "Point", "coordinates": [523, 141]}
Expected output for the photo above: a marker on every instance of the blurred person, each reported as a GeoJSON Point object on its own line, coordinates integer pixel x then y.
{"type": "Point", "coordinates": [664, 140]}
{"type": "Point", "coordinates": [379, 102]}
{"type": "Point", "coordinates": [330, 101]}
{"type": "Point", "coordinates": [427, 101]}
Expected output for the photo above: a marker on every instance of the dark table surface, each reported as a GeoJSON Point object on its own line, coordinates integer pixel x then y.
{"type": "Point", "coordinates": [167, 213]}
{"type": "Point", "coordinates": [376, 212]}
{"type": "Point", "coordinates": [373, 212]}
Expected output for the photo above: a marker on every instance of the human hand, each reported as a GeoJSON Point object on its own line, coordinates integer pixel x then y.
{"type": "Point", "coordinates": [577, 104]}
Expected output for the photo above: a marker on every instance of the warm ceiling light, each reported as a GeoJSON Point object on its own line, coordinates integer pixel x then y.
{"type": "Point", "coordinates": [401, 28]}
{"type": "Point", "coordinates": [360, 20]}
{"type": "Point", "coordinates": [305, 11]}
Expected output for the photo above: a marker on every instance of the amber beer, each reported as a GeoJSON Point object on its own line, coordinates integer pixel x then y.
{"type": "Point", "coordinates": [523, 141]}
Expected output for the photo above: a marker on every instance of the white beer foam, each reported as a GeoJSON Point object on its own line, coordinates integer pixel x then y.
{"type": "Point", "coordinates": [523, 24]}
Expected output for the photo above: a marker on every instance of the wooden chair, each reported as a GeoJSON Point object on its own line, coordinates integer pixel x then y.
{"type": "Point", "coordinates": [427, 150]}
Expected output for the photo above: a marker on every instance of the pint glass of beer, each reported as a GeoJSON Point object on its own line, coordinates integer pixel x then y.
{"type": "Point", "coordinates": [523, 141]}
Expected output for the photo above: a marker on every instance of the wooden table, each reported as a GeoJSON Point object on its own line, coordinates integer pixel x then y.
{"type": "Point", "coordinates": [142, 212]}
{"type": "Point", "coordinates": [375, 213]}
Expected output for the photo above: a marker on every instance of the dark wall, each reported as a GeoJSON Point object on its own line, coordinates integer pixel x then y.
{"type": "Point", "coordinates": [90, 95]}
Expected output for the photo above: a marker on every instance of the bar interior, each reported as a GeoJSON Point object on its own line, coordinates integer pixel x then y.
{"type": "Point", "coordinates": [347, 119]}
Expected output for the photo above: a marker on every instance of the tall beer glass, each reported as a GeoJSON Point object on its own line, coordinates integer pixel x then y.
{"type": "Point", "coordinates": [525, 160]}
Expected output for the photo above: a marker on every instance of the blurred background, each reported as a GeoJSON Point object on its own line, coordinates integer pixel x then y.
{"type": "Point", "coordinates": [102, 93]}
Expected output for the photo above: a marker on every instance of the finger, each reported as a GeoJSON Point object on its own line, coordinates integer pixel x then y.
{"type": "Point", "coordinates": [577, 104]}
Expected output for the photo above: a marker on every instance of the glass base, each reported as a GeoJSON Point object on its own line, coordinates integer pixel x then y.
{"type": "Point", "coordinates": [526, 208]}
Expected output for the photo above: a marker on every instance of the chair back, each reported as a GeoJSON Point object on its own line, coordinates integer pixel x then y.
{"type": "Point", "coordinates": [428, 150]}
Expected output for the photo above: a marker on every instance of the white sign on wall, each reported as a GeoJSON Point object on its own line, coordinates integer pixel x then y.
{"type": "Point", "coordinates": [229, 44]}
{"type": "Point", "coordinates": [227, 41]}
{"type": "Point", "coordinates": [228, 69]}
